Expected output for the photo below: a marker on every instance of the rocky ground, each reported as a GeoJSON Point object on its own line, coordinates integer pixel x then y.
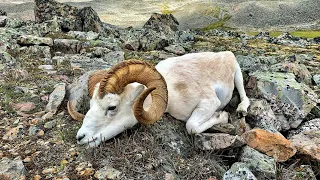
{"type": "Point", "coordinates": [46, 62]}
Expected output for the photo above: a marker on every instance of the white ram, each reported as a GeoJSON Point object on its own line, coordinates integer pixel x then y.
{"type": "Point", "coordinates": [193, 88]}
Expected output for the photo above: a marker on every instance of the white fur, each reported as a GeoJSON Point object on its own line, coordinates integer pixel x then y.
{"type": "Point", "coordinates": [198, 89]}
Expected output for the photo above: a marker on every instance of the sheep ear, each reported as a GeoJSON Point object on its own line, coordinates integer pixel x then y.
{"type": "Point", "coordinates": [133, 91]}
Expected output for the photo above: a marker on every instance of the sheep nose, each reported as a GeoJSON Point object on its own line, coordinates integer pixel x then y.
{"type": "Point", "coordinates": [79, 138]}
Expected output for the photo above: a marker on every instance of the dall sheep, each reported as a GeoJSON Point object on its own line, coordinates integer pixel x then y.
{"type": "Point", "coordinates": [193, 88]}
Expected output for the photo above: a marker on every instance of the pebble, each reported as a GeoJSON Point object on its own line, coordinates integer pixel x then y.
{"type": "Point", "coordinates": [49, 171]}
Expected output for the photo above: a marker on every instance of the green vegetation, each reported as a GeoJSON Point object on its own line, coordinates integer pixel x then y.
{"type": "Point", "coordinates": [303, 34]}
{"type": "Point", "coordinates": [218, 24]}
{"type": "Point", "coordinates": [164, 8]}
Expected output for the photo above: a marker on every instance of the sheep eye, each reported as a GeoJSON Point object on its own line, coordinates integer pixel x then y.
{"type": "Point", "coordinates": [111, 108]}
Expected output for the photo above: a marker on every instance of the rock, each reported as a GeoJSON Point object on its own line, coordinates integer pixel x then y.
{"type": "Point", "coordinates": [46, 67]}
{"type": "Point", "coordinates": [316, 79]}
{"type": "Point", "coordinates": [84, 35]}
{"type": "Point", "coordinates": [254, 63]}
{"type": "Point", "coordinates": [33, 56]}
{"type": "Point", "coordinates": [86, 63]}
{"type": "Point", "coordinates": [71, 18]}
{"type": "Point", "coordinates": [294, 99]}
{"type": "Point", "coordinates": [152, 40]}
{"type": "Point", "coordinates": [35, 131]}
{"type": "Point", "coordinates": [241, 126]}
{"type": "Point", "coordinates": [306, 126]}
{"type": "Point", "coordinates": [107, 173]}
{"type": "Point", "coordinates": [273, 144]}
{"type": "Point", "coordinates": [217, 141]}
{"type": "Point", "coordinates": [162, 22]}
{"type": "Point", "coordinates": [14, 23]}
{"type": "Point", "coordinates": [299, 70]}
{"type": "Point", "coordinates": [223, 128]}
{"type": "Point", "coordinates": [261, 115]}
{"type": "Point", "coordinates": [56, 98]}
{"type": "Point", "coordinates": [239, 171]}
{"type": "Point", "coordinates": [259, 164]}
{"type": "Point", "coordinates": [114, 57]}
{"type": "Point", "coordinates": [7, 61]}
{"type": "Point", "coordinates": [307, 143]}
{"type": "Point", "coordinates": [13, 133]}
{"type": "Point", "coordinates": [50, 124]}
{"type": "Point", "coordinates": [69, 46]}
{"type": "Point", "coordinates": [34, 40]}
{"type": "Point", "coordinates": [176, 49]}
{"type": "Point", "coordinates": [2, 13]}
{"type": "Point", "coordinates": [24, 107]}
{"type": "Point", "coordinates": [49, 171]}
{"type": "Point", "coordinates": [13, 169]}
{"type": "Point", "coordinates": [3, 21]}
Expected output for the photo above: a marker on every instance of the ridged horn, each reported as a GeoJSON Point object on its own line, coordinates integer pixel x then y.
{"type": "Point", "coordinates": [95, 78]}
{"type": "Point", "coordinates": [144, 73]}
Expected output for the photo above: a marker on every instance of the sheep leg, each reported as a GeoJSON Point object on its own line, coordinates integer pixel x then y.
{"type": "Point", "coordinates": [242, 109]}
{"type": "Point", "coordinates": [204, 116]}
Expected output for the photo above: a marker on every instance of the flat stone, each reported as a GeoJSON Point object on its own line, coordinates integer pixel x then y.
{"type": "Point", "coordinates": [272, 144]}
{"type": "Point", "coordinates": [34, 40]}
{"type": "Point", "coordinates": [217, 141]}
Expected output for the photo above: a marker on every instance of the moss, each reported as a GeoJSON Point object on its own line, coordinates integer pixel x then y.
{"type": "Point", "coordinates": [218, 24]}
{"type": "Point", "coordinates": [165, 9]}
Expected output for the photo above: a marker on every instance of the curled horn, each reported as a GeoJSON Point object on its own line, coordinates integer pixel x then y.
{"type": "Point", "coordinates": [93, 80]}
{"type": "Point", "coordinates": [144, 73]}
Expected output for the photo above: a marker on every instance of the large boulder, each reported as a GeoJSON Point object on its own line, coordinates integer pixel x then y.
{"type": "Point", "coordinates": [295, 100]}
{"type": "Point", "coordinates": [71, 18]}
{"type": "Point", "coordinates": [162, 22]}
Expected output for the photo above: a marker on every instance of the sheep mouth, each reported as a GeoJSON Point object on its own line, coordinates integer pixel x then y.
{"type": "Point", "coordinates": [89, 141]}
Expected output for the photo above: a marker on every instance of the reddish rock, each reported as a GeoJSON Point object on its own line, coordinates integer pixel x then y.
{"type": "Point", "coordinates": [307, 143]}
{"type": "Point", "coordinates": [272, 144]}
{"type": "Point", "coordinates": [24, 107]}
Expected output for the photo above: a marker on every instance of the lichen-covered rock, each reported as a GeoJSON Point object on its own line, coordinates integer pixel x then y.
{"type": "Point", "coordinates": [176, 49]}
{"type": "Point", "coordinates": [288, 40]}
{"type": "Point", "coordinates": [7, 61]}
{"type": "Point", "coordinates": [68, 46]}
{"type": "Point", "coordinates": [162, 22]}
{"type": "Point", "coordinates": [311, 125]}
{"type": "Point", "coordinates": [299, 70]}
{"type": "Point", "coordinates": [13, 169]}
{"type": "Point", "coordinates": [239, 171]}
{"type": "Point", "coordinates": [34, 40]}
{"type": "Point", "coordinates": [254, 63]}
{"type": "Point", "coordinates": [223, 128]}
{"type": "Point", "coordinates": [272, 144]}
{"type": "Point", "coordinates": [260, 165]}
{"type": "Point", "coordinates": [316, 79]}
{"type": "Point", "coordinates": [56, 98]}
{"type": "Point", "coordinates": [307, 143]}
{"type": "Point", "coordinates": [261, 115]}
{"type": "Point", "coordinates": [217, 141]}
{"type": "Point", "coordinates": [83, 35]}
{"type": "Point", "coordinates": [294, 99]}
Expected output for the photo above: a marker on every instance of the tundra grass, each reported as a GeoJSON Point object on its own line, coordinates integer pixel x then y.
{"type": "Point", "coordinates": [303, 34]}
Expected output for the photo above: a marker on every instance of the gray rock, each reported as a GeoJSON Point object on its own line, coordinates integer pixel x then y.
{"type": "Point", "coordinates": [217, 141]}
{"type": "Point", "coordinates": [56, 98]}
{"type": "Point", "coordinates": [223, 128]}
{"type": "Point", "coordinates": [114, 57]}
{"type": "Point", "coordinates": [261, 115]}
{"type": "Point", "coordinates": [34, 130]}
{"type": "Point", "coordinates": [34, 40]}
{"type": "Point", "coordinates": [316, 79]}
{"type": "Point", "coordinates": [85, 63]}
{"type": "Point", "coordinates": [14, 23]}
{"type": "Point", "coordinates": [78, 92]}
{"type": "Point", "coordinates": [299, 70]}
{"type": "Point", "coordinates": [261, 165]}
{"type": "Point", "coordinates": [254, 63]}
{"type": "Point", "coordinates": [68, 46]}
{"type": "Point", "coordinates": [7, 61]}
{"type": "Point", "coordinates": [162, 22]}
{"type": "Point", "coordinates": [306, 126]}
{"type": "Point", "coordinates": [239, 171]}
{"type": "Point", "coordinates": [3, 21]}
{"type": "Point", "coordinates": [13, 169]}
{"type": "Point", "coordinates": [294, 99]}
{"type": "Point", "coordinates": [84, 35]}
{"type": "Point", "coordinates": [176, 49]}
{"type": "Point", "coordinates": [107, 173]}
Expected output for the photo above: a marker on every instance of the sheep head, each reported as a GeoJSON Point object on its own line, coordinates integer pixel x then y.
{"type": "Point", "coordinates": [117, 101]}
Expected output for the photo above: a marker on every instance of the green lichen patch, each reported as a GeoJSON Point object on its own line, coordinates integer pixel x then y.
{"type": "Point", "coordinates": [219, 24]}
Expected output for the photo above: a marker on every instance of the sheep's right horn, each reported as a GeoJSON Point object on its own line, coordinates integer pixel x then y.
{"type": "Point", "coordinates": [73, 113]}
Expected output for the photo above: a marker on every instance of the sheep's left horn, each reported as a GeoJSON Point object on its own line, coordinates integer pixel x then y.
{"type": "Point", "coordinates": [144, 73]}
{"type": "Point", "coordinates": [73, 113]}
